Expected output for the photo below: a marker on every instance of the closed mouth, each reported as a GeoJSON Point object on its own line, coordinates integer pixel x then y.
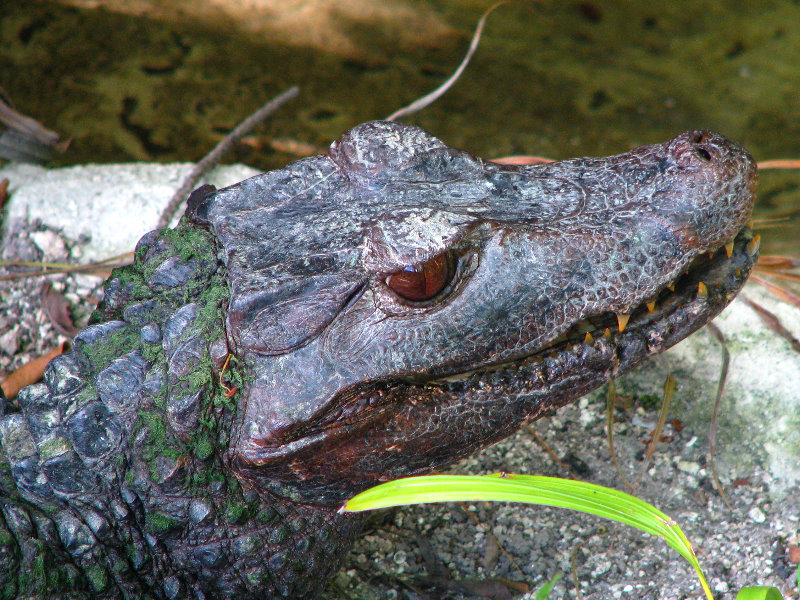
{"type": "Point", "coordinates": [709, 283]}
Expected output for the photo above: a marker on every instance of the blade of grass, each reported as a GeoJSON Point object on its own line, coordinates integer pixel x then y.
{"type": "Point", "coordinates": [545, 590]}
{"type": "Point", "coordinates": [759, 593]}
{"type": "Point", "coordinates": [532, 489]}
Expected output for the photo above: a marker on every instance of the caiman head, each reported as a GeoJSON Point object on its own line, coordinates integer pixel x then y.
{"type": "Point", "coordinates": [399, 304]}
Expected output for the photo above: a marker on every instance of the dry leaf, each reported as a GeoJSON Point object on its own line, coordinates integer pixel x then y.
{"type": "Point", "coordinates": [29, 373]}
{"type": "Point", "coordinates": [57, 309]}
{"type": "Point", "coordinates": [3, 192]}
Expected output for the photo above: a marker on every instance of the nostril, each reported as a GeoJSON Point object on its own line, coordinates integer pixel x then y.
{"type": "Point", "coordinates": [703, 153]}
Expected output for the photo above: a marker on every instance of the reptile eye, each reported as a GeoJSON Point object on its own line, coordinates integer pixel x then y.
{"type": "Point", "coordinates": [423, 282]}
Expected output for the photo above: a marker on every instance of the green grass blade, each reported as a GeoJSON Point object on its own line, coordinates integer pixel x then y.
{"type": "Point", "coordinates": [759, 593]}
{"type": "Point", "coordinates": [531, 489]}
{"type": "Point", "coordinates": [545, 590]}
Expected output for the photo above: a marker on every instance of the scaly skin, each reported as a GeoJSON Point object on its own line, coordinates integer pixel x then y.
{"type": "Point", "coordinates": [131, 473]}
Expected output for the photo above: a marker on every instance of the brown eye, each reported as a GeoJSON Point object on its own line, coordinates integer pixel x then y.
{"type": "Point", "coordinates": [422, 282]}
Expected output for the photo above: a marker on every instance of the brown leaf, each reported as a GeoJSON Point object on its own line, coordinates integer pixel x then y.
{"type": "Point", "coordinates": [774, 261]}
{"type": "Point", "coordinates": [3, 192]}
{"type": "Point", "coordinates": [29, 373]}
{"type": "Point", "coordinates": [57, 308]}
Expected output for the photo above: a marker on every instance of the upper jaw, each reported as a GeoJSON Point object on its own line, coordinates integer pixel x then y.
{"type": "Point", "coordinates": [680, 307]}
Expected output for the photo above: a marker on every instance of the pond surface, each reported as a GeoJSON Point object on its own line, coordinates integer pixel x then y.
{"type": "Point", "coordinates": [557, 79]}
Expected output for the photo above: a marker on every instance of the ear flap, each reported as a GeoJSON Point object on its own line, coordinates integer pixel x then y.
{"type": "Point", "coordinates": [291, 314]}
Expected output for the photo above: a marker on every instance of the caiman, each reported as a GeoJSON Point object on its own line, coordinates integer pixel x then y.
{"type": "Point", "coordinates": [376, 312]}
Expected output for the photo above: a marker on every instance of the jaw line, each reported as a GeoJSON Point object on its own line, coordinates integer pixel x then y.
{"type": "Point", "coordinates": [719, 273]}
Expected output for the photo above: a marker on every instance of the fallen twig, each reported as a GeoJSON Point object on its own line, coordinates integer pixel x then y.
{"type": "Point", "coordinates": [772, 321]}
{"type": "Point", "coordinates": [611, 402]}
{"type": "Point", "coordinates": [46, 268]}
{"type": "Point", "coordinates": [428, 99]}
{"type": "Point", "coordinates": [779, 164]}
{"type": "Point", "coordinates": [24, 139]}
{"type": "Point", "coordinates": [712, 433]}
{"type": "Point", "coordinates": [213, 157]}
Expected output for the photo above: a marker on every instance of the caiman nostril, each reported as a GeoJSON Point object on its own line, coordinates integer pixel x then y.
{"type": "Point", "coordinates": [703, 153]}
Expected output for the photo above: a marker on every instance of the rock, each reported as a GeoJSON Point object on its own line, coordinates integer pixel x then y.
{"type": "Point", "coordinates": [9, 342]}
{"type": "Point", "coordinates": [111, 206]}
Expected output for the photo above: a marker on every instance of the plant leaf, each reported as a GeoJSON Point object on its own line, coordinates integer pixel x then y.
{"type": "Point", "coordinates": [532, 489]}
{"type": "Point", "coordinates": [760, 592]}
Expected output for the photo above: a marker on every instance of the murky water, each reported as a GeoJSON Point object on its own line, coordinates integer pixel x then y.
{"type": "Point", "coordinates": [558, 79]}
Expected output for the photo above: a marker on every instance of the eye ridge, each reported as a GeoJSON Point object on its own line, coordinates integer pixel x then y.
{"type": "Point", "coordinates": [425, 281]}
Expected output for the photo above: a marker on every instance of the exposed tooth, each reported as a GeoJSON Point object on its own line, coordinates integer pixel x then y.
{"type": "Point", "coordinates": [750, 224]}
{"type": "Point", "coordinates": [753, 245]}
{"type": "Point", "coordinates": [702, 290]}
{"type": "Point", "coordinates": [671, 287]}
{"type": "Point", "coordinates": [622, 321]}
{"type": "Point", "coordinates": [588, 339]}
{"type": "Point", "coordinates": [568, 347]}
{"type": "Point", "coordinates": [710, 255]}
{"type": "Point", "coordinates": [729, 248]}
{"type": "Point", "coordinates": [607, 333]}
{"type": "Point", "coordinates": [651, 306]}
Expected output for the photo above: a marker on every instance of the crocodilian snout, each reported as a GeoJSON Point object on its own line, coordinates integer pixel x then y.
{"type": "Point", "coordinates": [714, 191]}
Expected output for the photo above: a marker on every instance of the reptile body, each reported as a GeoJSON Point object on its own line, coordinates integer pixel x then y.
{"type": "Point", "coordinates": [376, 312]}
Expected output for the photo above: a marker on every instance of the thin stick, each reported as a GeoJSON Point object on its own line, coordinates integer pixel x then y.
{"type": "Point", "coordinates": [213, 157]}
{"type": "Point", "coordinates": [53, 268]}
{"type": "Point", "coordinates": [421, 103]}
{"type": "Point", "coordinates": [546, 447]}
{"type": "Point", "coordinates": [655, 436]}
{"type": "Point", "coordinates": [779, 164]}
{"type": "Point", "coordinates": [712, 433]}
{"type": "Point", "coordinates": [611, 401]}
{"type": "Point", "coordinates": [492, 536]}
{"type": "Point", "coordinates": [522, 160]}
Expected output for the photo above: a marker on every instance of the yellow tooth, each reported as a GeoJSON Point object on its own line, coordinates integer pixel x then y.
{"type": "Point", "coordinates": [752, 245]}
{"type": "Point", "coordinates": [750, 224]}
{"type": "Point", "coordinates": [588, 339]}
{"type": "Point", "coordinates": [710, 255]}
{"type": "Point", "coordinates": [622, 321]}
{"type": "Point", "coordinates": [671, 287]}
{"type": "Point", "coordinates": [607, 333]}
{"type": "Point", "coordinates": [702, 290]}
{"type": "Point", "coordinates": [651, 306]}
{"type": "Point", "coordinates": [729, 248]}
